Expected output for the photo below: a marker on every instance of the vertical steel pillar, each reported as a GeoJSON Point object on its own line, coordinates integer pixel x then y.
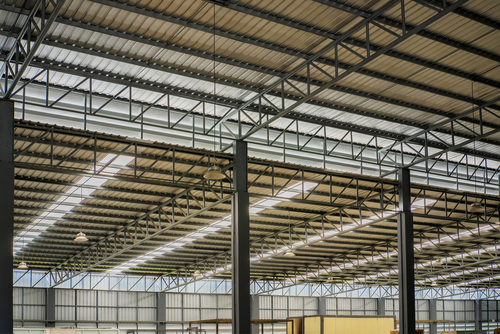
{"type": "Point", "coordinates": [381, 306]}
{"type": "Point", "coordinates": [6, 215]}
{"type": "Point", "coordinates": [240, 241]}
{"type": "Point", "coordinates": [405, 256]}
{"type": "Point", "coordinates": [161, 313]}
{"type": "Point", "coordinates": [478, 315]}
{"type": "Point", "coordinates": [432, 316]}
{"type": "Point", "coordinates": [322, 305]}
{"type": "Point", "coordinates": [50, 307]}
{"type": "Point", "coordinates": [255, 313]}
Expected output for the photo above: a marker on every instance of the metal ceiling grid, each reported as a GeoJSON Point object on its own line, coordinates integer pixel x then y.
{"type": "Point", "coordinates": [342, 221]}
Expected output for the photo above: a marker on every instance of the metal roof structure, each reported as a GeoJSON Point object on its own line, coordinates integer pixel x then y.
{"type": "Point", "coordinates": [332, 96]}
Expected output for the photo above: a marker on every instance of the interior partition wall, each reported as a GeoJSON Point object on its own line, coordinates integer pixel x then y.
{"type": "Point", "coordinates": [139, 310]}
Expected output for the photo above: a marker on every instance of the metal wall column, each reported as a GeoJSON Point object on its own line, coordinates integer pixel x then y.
{"type": "Point", "coordinates": [255, 312]}
{"type": "Point", "coordinates": [6, 215]}
{"type": "Point", "coordinates": [161, 312]}
{"type": "Point", "coordinates": [240, 242]}
{"type": "Point", "coordinates": [381, 306]}
{"type": "Point", "coordinates": [321, 305]}
{"type": "Point", "coordinates": [406, 256]}
{"type": "Point", "coordinates": [432, 316]}
{"type": "Point", "coordinates": [50, 307]}
{"type": "Point", "coordinates": [478, 315]}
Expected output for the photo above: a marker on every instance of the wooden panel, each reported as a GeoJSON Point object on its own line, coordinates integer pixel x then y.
{"type": "Point", "coordinates": [312, 325]}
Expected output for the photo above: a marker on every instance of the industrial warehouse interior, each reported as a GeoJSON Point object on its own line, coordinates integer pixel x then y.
{"type": "Point", "coordinates": [249, 166]}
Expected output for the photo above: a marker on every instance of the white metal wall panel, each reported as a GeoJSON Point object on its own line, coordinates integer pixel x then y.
{"type": "Point", "coordinates": [174, 314]}
{"type": "Point", "coordinates": [208, 314]}
{"type": "Point", "coordinates": [107, 314]}
{"type": "Point", "coordinates": [357, 304]}
{"type": "Point", "coordinates": [225, 301]}
{"type": "Point", "coordinates": [280, 314]}
{"type": "Point", "coordinates": [127, 299]}
{"type": "Point", "coordinates": [65, 297]}
{"type": "Point", "coordinates": [331, 303]}
{"type": "Point", "coordinates": [146, 314]}
{"type": "Point", "coordinates": [225, 313]}
{"type": "Point", "coordinates": [145, 299]}
{"type": "Point", "coordinates": [18, 312]}
{"type": "Point", "coordinates": [86, 313]}
{"type": "Point", "coordinates": [191, 300]}
{"type": "Point", "coordinates": [280, 302]}
{"type": "Point", "coordinates": [127, 314]}
{"type": "Point", "coordinates": [34, 296]}
{"type": "Point", "coordinates": [191, 314]}
{"type": "Point", "coordinates": [311, 303]}
{"type": "Point", "coordinates": [17, 295]}
{"type": "Point", "coordinates": [86, 297]}
{"type": "Point", "coordinates": [174, 300]}
{"type": "Point", "coordinates": [296, 303]}
{"type": "Point", "coordinates": [208, 301]}
{"type": "Point", "coordinates": [343, 304]}
{"type": "Point", "coordinates": [459, 305]}
{"type": "Point", "coordinates": [295, 313]}
{"type": "Point", "coordinates": [107, 298]}
{"type": "Point", "coordinates": [371, 305]}
{"type": "Point", "coordinates": [65, 313]}
{"type": "Point", "coordinates": [264, 302]}
{"type": "Point", "coordinates": [265, 314]}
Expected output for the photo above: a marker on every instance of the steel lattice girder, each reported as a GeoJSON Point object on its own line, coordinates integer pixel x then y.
{"type": "Point", "coordinates": [329, 148]}
{"type": "Point", "coordinates": [27, 42]}
{"type": "Point", "coordinates": [371, 54]}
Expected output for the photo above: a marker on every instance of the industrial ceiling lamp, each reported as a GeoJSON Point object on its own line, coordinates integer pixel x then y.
{"type": "Point", "coordinates": [81, 237]}
{"type": "Point", "coordinates": [214, 172]}
{"type": "Point", "coordinates": [197, 273]}
{"type": "Point", "coordinates": [434, 283]}
{"type": "Point", "coordinates": [23, 264]}
{"type": "Point", "coordinates": [289, 252]}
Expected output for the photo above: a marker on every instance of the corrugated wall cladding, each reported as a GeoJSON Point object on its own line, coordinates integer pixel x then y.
{"type": "Point", "coordinates": [86, 308]}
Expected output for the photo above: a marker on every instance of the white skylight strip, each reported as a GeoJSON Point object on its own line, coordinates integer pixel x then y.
{"type": "Point", "coordinates": [215, 227]}
{"type": "Point", "coordinates": [69, 200]}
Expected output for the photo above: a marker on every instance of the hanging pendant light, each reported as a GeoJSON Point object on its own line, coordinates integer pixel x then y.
{"type": "Point", "coordinates": [289, 252]}
{"type": "Point", "coordinates": [81, 237]}
{"type": "Point", "coordinates": [23, 264]}
{"type": "Point", "coordinates": [197, 273]}
{"type": "Point", "coordinates": [214, 172]}
{"type": "Point", "coordinates": [434, 283]}
{"type": "Point", "coordinates": [476, 207]}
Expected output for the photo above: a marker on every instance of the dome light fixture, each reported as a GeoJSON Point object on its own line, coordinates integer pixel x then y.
{"type": "Point", "coordinates": [434, 283]}
{"type": "Point", "coordinates": [22, 266]}
{"type": "Point", "coordinates": [476, 207]}
{"type": "Point", "coordinates": [197, 273]}
{"type": "Point", "coordinates": [81, 237]}
{"type": "Point", "coordinates": [289, 253]}
{"type": "Point", "coordinates": [214, 173]}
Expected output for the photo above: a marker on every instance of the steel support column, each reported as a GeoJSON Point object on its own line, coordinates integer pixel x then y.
{"type": "Point", "coordinates": [161, 313]}
{"type": "Point", "coordinates": [321, 305]}
{"type": "Point", "coordinates": [50, 307]}
{"type": "Point", "coordinates": [240, 242]}
{"type": "Point", "coordinates": [6, 214]}
{"type": "Point", "coordinates": [406, 256]}
{"type": "Point", "coordinates": [432, 316]}
{"type": "Point", "coordinates": [478, 312]}
{"type": "Point", "coordinates": [255, 313]}
{"type": "Point", "coordinates": [381, 306]}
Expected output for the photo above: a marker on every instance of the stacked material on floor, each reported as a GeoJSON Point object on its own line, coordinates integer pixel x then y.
{"type": "Point", "coordinates": [331, 324]}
